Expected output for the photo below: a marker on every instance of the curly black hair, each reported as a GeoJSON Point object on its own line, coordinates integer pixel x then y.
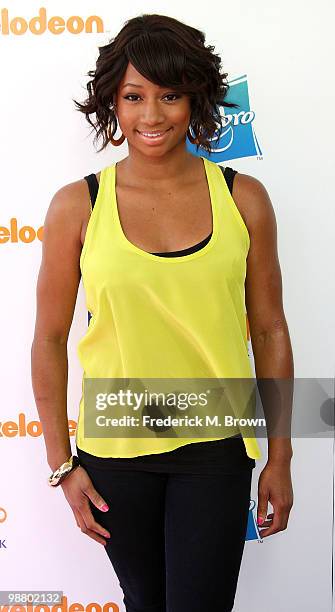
{"type": "Point", "coordinates": [168, 53]}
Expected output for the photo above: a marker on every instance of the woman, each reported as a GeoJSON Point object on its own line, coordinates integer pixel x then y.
{"type": "Point", "coordinates": [166, 245]}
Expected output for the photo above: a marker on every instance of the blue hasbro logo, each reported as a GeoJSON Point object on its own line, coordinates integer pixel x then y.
{"type": "Point", "coordinates": [252, 528]}
{"type": "Point", "coordinates": [237, 138]}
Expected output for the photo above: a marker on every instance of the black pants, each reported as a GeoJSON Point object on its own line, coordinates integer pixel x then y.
{"type": "Point", "coordinates": [176, 540]}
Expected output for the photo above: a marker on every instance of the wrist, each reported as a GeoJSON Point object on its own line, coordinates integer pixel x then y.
{"type": "Point", "coordinates": [62, 471]}
{"type": "Point", "coordinates": [57, 460]}
{"type": "Point", "coordinates": [280, 460]}
{"type": "Point", "coordinates": [279, 451]}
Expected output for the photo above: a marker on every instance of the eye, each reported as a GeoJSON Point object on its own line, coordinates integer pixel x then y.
{"type": "Point", "coordinates": [176, 96]}
{"type": "Point", "coordinates": [127, 97]}
{"type": "Point", "coordinates": [130, 96]}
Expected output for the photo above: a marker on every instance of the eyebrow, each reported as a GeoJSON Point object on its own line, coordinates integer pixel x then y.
{"type": "Point", "coordinates": [132, 84]}
{"type": "Point", "coordinates": [141, 86]}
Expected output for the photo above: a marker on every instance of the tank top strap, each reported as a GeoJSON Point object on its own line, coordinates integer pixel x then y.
{"type": "Point", "coordinates": [93, 187]}
{"type": "Point", "coordinates": [229, 175]}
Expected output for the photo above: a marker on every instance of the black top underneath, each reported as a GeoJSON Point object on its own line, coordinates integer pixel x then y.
{"type": "Point", "coordinates": [188, 251]}
{"type": "Point", "coordinates": [217, 456]}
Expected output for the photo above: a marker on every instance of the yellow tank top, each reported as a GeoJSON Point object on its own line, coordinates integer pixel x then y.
{"type": "Point", "coordinates": [156, 317]}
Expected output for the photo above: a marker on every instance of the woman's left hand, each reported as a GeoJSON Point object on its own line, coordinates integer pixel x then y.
{"type": "Point", "coordinates": [275, 486]}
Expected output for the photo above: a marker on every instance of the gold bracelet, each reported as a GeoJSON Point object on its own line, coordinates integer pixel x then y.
{"type": "Point", "coordinates": [60, 474]}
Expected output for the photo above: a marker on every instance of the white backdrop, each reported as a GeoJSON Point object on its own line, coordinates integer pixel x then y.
{"type": "Point", "coordinates": [283, 50]}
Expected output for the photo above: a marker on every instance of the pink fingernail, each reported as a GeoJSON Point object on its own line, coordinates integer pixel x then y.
{"type": "Point", "coordinates": [260, 520]}
{"type": "Point", "coordinates": [104, 508]}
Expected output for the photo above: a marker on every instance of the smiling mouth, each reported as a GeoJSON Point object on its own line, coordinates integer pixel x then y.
{"type": "Point", "coordinates": [153, 135]}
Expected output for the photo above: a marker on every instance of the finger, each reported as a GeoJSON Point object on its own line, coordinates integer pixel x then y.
{"type": "Point", "coordinates": [89, 532]}
{"type": "Point", "coordinates": [92, 524]}
{"type": "Point", "coordinates": [96, 498]}
{"type": "Point", "coordinates": [266, 523]}
{"type": "Point", "coordinates": [76, 518]}
{"type": "Point", "coordinates": [278, 524]}
{"type": "Point", "coordinates": [262, 506]}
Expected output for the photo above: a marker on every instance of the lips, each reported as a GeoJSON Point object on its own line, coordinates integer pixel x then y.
{"type": "Point", "coordinates": [152, 134]}
{"type": "Point", "coordinates": [156, 138]}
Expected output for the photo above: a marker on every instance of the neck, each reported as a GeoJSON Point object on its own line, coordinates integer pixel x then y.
{"type": "Point", "coordinates": [150, 169]}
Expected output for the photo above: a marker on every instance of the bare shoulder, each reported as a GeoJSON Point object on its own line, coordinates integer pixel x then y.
{"type": "Point", "coordinates": [70, 208]}
{"type": "Point", "coordinates": [253, 201]}
{"type": "Point", "coordinates": [69, 203]}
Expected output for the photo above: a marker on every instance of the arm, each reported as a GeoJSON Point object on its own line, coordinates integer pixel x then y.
{"type": "Point", "coordinates": [270, 340]}
{"type": "Point", "coordinates": [263, 295]}
{"type": "Point", "coordinates": [56, 293]}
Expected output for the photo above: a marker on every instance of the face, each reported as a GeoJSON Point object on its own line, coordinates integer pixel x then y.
{"type": "Point", "coordinates": [143, 108]}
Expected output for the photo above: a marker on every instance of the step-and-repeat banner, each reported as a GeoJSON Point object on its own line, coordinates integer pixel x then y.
{"type": "Point", "coordinates": [277, 56]}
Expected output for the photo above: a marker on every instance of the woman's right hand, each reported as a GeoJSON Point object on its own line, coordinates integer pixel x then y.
{"type": "Point", "coordinates": [78, 490]}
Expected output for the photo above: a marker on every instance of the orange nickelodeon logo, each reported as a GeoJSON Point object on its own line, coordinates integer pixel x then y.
{"type": "Point", "coordinates": [55, 25]}
{"type": "Point", "coordinates": [23, 428]}
{"type": "Point", "coordinates": [64, 606]}
{"type": "Point", "coordinates": [13, 233]}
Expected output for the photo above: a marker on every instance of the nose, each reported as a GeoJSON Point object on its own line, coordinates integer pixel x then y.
{"type": "Point", "coordinates": [152, 113]}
